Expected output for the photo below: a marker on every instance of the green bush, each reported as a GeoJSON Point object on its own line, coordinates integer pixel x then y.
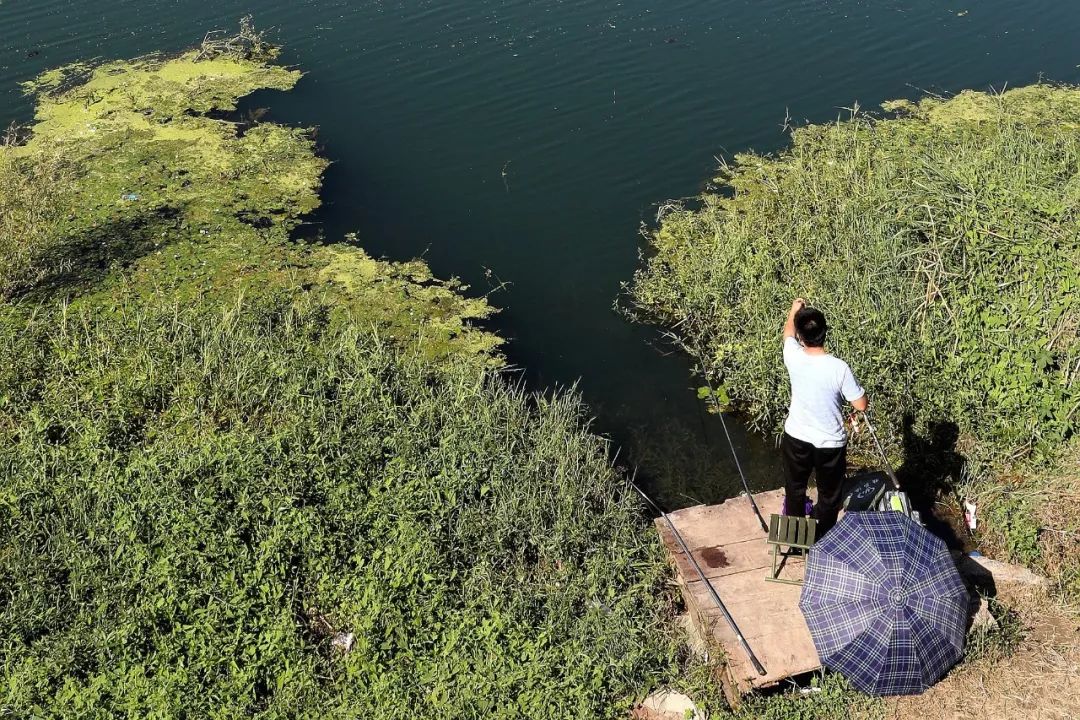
{"type": "Point", "coordinates": [942, 243]}
{"type": "Point", "coordinates": [1012, 521]}
{"type": "Point", "coordinates": [1028, 514]}
{"type": "Point", "coordinates": [194, 501]}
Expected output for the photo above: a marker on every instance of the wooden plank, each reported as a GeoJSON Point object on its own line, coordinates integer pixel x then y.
{"type": "Point", "coordinates": [731, 520]}
{"type": "Point", "coordinates": [752, 602]}
{"type": "Point", "coordinates": [733, 693]}
{"type": "Point", "coordinates": [768, 617]}
{"type": "Point", "coordinates": [721, 538]}
{"type": "Point", "coordinates": [729, 544]}
{"type": "Point", "coordinates": [717, 561]}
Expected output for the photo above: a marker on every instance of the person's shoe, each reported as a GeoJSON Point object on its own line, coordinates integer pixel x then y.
{"type": "Point", "coordinates": [808, 510]}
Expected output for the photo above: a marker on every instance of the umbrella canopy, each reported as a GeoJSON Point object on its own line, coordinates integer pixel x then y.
{"type": "Point", "coordinates": [884, 603]}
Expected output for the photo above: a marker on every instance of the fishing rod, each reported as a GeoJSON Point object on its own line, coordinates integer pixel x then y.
{"type": "Point", "coordinates": [701, 573]}
{"type": "Point", "coordinates": [888, 466]}
{"type": "Point", "coordinates": [734, 455]}
{"type": "Point", "coordinates": [745, 484]}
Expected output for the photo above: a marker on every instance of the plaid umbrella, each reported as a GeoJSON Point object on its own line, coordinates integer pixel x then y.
{"type": "Point", "coordinates": [884, 603]}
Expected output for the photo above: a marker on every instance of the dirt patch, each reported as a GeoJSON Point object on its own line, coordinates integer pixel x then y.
{"type": "Point", "coordinates": [715, 557]}
{"type": "Point", "coordinates": [1039, 680]}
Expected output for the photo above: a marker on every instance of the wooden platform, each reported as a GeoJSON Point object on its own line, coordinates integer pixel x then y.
{"type": "Point", "coordinates": [729, 545]}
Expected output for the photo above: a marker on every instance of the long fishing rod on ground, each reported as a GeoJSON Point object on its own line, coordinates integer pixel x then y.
{"type": "Point", "coordinates": [734, 455]}
{"type": "Point", "coordinates": [708, 584]}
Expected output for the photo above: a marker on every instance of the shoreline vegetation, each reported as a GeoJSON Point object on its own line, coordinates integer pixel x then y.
{"type": "Point", "coordinates": [942, 239]}
{"type": "Point", "coordinates": [244, 475]}
{"type": "Point", "coordinates": [248, 475]}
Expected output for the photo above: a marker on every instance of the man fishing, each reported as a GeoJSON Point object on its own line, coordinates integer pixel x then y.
{"type": "Point", "coordinates": [814, 436]}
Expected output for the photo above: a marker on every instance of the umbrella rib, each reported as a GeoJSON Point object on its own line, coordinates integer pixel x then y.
{"type": "Point", "coordinates": [876, 582]}
{"type": "Point", "coordinates": [927, 680]}
{"type": "Point", "coordinates": [856, 640]}
{"type": "Point", "coordinates": [939, 575]}
{"type": "Point", "coordinates": [923, 668]}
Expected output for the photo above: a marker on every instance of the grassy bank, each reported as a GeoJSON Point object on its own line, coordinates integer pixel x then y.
{"type": "Point", "coordinates": [224, 452]}
{"type": "Point", "coordinates": [942, 241]}
{"type": "Point", "coordinates": [197, 501]}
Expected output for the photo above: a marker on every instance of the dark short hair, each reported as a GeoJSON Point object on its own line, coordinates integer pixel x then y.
{"type": "Point", "coordinates": [810, 327]}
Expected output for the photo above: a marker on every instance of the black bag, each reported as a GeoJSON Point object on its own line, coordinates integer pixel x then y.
{"type": "Point", "coordinates": [864, 491]}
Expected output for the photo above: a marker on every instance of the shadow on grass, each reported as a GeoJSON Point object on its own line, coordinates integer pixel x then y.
{"type": "Point", "coordinates": [79, 261]}
{"type": "Point", "coordinates": [932, 472]}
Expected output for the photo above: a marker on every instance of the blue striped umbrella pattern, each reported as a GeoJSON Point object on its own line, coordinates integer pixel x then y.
{"type": "Point", "coordinates": [884, 603]}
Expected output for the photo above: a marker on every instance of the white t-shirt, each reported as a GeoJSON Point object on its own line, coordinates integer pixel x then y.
{"type": "Point", "coordinates": [819, 386]}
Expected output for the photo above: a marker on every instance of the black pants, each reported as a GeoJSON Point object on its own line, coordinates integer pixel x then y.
{"type": "Point", "coordinates": [829, 464]}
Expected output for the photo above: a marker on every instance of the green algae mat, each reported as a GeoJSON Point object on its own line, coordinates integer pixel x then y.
{"type": "Point", "coordinates": [145, 190]}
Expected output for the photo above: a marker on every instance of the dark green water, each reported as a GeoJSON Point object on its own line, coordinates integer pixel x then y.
{"type": "Point", "coordinates": [596, 111]}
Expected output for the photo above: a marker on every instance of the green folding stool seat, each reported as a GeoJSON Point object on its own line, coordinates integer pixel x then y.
{"type": "Point", "coordinates": [794, 532]}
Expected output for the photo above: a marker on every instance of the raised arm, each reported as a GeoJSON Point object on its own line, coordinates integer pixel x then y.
{"type": "Point", "coordinates": [853, 392]}
{"type": "Point", "coordinates": [789, 326]}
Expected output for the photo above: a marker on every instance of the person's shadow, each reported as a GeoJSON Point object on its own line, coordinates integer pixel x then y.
{"type": "Point", "coordinates": [931, 473]}
{"type": "Point", "coordinates": [932, 470]}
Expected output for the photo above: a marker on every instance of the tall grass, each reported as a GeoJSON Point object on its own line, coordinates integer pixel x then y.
{"type": "Point", "coordinates": [34, 209]}
{"type": "Point", "coordinates": [195, 502]}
